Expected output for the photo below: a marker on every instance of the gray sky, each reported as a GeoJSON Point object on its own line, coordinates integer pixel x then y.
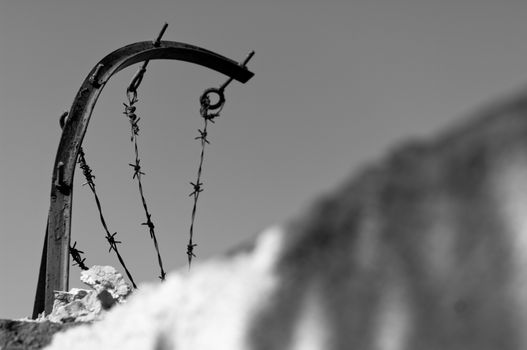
{"type": "Point", "coordinates": [337, 83]}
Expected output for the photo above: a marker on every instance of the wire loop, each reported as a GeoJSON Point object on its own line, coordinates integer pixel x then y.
{"type": "Point", "coordinates": [205, 100]}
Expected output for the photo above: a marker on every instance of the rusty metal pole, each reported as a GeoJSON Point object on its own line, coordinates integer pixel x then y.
{"type": "Point", "coordinates": [55, 274]}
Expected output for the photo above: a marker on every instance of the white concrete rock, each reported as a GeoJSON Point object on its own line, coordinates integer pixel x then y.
{"type": "Point", "coordinates": [77, 305]}
{"type": "Point", "coordinates": [183, 312]}
{"type": "Point", "coordinates": [81, 305]}
{"type": "Point", "coordinates": [108, 279]}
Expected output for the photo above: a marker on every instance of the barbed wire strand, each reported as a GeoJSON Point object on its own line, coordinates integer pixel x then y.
{"type": "Point", "coordinates": [87, 172]}
{"type": "Point", "coordinates": [198, 185]}
{"type": "Point", "coordinates": [129, 111]}
{"type": "Point", "coordinates": [208, 116]}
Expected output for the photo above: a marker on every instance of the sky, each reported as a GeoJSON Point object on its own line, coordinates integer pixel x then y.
{"type": "Point", "coordinates": [337, 84]}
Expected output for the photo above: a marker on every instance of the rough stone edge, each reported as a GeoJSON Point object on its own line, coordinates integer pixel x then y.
{"type": "Point", "coordinates": [30, 335]}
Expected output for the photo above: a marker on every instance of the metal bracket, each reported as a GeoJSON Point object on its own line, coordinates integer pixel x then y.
{"type": "Point", "coordinates": [60, 184]}
{"type": "Point", "coordinates": [94, 77]}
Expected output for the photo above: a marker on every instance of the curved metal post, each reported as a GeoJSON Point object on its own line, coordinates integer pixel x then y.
{"type": "Point", "coordinates": [56, 269]}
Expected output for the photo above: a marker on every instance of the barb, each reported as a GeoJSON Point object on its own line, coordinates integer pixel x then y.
{"type": "Point", "coordinates": [197, 188]}
{"type": "Point", "coordinates": [88, 175]}
{"type": "Point", "coordinates": [113, 242]}
{"type": "Point", "coordinates": [76, 256]}
{"type": "Point", "coordinates": [129, 111]}
{"type": "Point", "coordinates": [202, 136]}
{"type": "Point", "coordinates": [137, 169]}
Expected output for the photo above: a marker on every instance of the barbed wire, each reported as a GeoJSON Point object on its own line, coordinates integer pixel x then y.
{"type": "Point", "coordinates": [197, 186]}
{"type": "Point", "coordinates": [129, 111]}
{"type": "Point", "coordinates": [88, 175]}
{"type": "Point", "coordinates": [209, 112]}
